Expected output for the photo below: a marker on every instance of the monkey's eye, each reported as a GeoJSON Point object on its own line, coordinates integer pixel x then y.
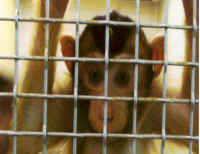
{"type": "Point", "coordinates": [95, 76]}
{"type": "Point", "coordinates": [122, 78]}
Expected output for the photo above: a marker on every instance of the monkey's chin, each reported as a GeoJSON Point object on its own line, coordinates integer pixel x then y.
{"type": "Point", "coordinates": [112, 127]}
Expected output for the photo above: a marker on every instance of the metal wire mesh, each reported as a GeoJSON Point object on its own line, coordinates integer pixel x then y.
{"type": "Point", "coordinates": [164, 100]}
{"type": "Point", "coordinates": [16, 76]}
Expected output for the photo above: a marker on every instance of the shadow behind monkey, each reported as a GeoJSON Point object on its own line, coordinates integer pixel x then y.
{"type": "Point", "coordinates": [5, 113]}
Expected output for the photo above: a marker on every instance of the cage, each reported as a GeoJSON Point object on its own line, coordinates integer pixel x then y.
{"type": "Point", "coordinates": [31, 59]}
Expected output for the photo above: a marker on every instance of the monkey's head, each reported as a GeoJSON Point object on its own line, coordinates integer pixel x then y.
{"type": "Point", "coordinates": [120, 76]}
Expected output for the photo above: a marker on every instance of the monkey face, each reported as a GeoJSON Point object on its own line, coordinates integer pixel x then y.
{"type": "Point", "coordinates": [120, 83]}
{"type": "Point", "coordinates": [120, 77]}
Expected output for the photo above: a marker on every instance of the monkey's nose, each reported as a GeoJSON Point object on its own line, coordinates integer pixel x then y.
{"type": "Point", "coordinates": [109, 117]}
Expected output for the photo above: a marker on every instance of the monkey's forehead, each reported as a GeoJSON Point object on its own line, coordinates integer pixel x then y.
{"type": "Point", "coordinates": [94, 37]}
{"type": "Point", "coordinates": [118, 35]}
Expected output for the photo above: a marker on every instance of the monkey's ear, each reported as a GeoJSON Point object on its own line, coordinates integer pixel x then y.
{"type": "Point", "coordinates": [68, 49]}
{"type": "Point", "coordinates": [157, 46]}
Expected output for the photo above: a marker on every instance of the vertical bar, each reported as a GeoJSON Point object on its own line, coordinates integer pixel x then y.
{"type": "Point", "coordinates": [106, 77]}
{"type": "Point", "coordinates": [164, 80]}
{"type": "Point", "coordinates": [192, 106]}
{"type": "Point", "coordinates": [16, 76]}
{"type": "Point", "coordinates": [47, 14]}
{"type": "Point", "coordinates": [76, 76]}
{"type": "Point", "coordinates": [136, 74]}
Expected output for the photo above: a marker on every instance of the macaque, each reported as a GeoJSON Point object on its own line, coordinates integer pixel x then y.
{"type": "Point", "coordinates": [120, 76]}
{"type": "Point", "coordinates": [5, 113]}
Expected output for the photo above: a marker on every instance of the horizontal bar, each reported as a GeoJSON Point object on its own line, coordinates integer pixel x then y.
{"type": "Point", "coordinates": [75, 59]}
{"type": "Point", "coordinates": [98, 135]}
{"type": "Point", "coordinates": [85, 97]}
{"type": "Point", "coordinates": [95, 22]}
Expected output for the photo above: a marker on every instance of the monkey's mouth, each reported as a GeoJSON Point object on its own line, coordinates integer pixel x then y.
{"type": "Point", "coordinates": [113, 125]}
